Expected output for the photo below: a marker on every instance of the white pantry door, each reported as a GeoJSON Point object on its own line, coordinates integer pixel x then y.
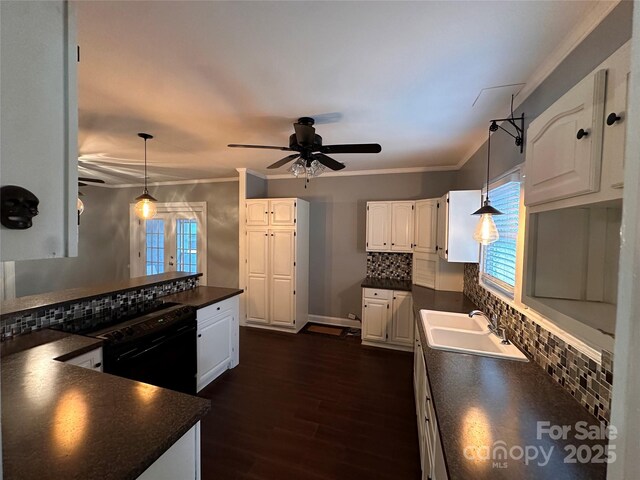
{"type": "Point", "coordinates": [173, 241]}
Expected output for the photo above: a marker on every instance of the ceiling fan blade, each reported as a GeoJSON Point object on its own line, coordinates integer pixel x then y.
{"type": "Point", "coordinates": [305, 134]}
{"type": "Point", "coordinates": [86, 179]}
{"type": "Point", "coordinates": [352, 148]}
{"type": "Point", "coordinates": [82, 184]}
{"type": "Point", "coordinates": [284, 161]}
{"type": "Point", "coordinates": [267, 147]}
{"type": "Point", "coordinates": [328, 161]}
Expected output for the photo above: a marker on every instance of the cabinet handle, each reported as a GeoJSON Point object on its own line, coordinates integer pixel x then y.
{"type": "Point", "coordinates": [384, 243]}
{"type": "Point", "coordinates": [97, 365]}
{"type": "Point", "coordinates": [613, 118]}
{"type": "Point", "coordinates": [582, 133]}
{"type": "Point", "coordinates": [218, 308]}
{"type": "Point", "coordinates": [199, 335]}
{"type": "Point", "coordinates": [375, 294]}
{"type": "Point", "coordinates": [392, 243]}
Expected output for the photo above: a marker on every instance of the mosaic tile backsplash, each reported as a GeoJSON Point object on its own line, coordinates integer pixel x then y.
{"type": "Point", "coordinates": [115, 305]}
{"type": "Point", "coordinates": [389, 265]}
{"type": "Point", "coordinates": [590, 383]}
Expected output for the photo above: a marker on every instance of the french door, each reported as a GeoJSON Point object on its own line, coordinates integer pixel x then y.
{"type": "Point", "coordinates": [173, 241]}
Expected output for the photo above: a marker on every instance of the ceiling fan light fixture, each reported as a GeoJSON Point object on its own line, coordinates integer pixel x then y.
{"type": "Point", "coordinates": [146, 205]}
{"type": "Point", "coordinates": [297, 168]}
{"type": "Point", "coordinates": [315, 169]}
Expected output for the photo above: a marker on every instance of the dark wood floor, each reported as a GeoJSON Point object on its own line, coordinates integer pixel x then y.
{"type": "Point", "coordinates": [311, 407]}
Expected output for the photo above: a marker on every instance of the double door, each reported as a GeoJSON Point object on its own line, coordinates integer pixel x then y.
{"type": "Point", "coordinates": [271, 276]}
{"type": "Point", "coordinates": [387, 317]}
{"type": "Point", "coordinates": [390, 226]}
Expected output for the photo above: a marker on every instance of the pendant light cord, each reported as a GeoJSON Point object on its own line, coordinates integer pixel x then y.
{"type": "Point", "coordinates": [145, 166]}
{"type": "Point", "coordinates": [488, 163]}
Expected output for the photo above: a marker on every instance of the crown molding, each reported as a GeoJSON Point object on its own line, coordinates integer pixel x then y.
{"type": "Point", "coordinates": [167, 183]}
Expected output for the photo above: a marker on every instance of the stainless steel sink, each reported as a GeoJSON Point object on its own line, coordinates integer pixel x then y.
{"type": "Point", "coordinates": [456, 332]}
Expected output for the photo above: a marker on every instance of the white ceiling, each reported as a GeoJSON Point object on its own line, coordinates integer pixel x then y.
{"type": "Point", "coordinates": [200, 75]}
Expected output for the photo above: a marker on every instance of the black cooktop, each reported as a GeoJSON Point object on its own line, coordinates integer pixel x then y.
{"type": "Point", "coordinates": [108, 318]}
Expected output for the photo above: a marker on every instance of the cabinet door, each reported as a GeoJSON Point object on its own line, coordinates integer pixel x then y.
{"type": "Point", "coordinates": [402, 319]}
{"type": "Point", "coordinates": [283, 212]}
{"type": "Point", "coordinates": [375, 320]}
{"type": "Point", "coordinates": [378, 226]}
{"type": "Point", "coordinates": [559, 164]}
{"type": "Point", "coordinates": [282, 257]}
{"type": "Point", "coordinates": [214, 347]}
{"type": "Point", "coordinates": [443, 226]}
{"type": "Point", "coordinates": [424, 269]}
{"type": "Point", "coordinates": [426, 220]}
{"type": "Point", "coordinates": [402, 226]}
{"type": "Point", "coordinates": [91, 360]}
{"type": "Point", "coordinates": [257, 212]}
{"type": "Point", "coordinates": [257, 271]}
{"type": "Point", "coordinates": [613, 148]}
{"type": "Point", "coordinates": [39, 124]}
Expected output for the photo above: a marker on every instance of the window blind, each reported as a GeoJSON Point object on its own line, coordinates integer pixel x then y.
{"type": "Point", "coordinates": [499, 258]}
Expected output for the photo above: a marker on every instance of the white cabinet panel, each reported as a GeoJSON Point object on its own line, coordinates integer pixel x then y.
{"type": "Point", "coordinates": [91, 360]}
{"type": "Point", "coordinates": [258, 247]}
{"type": "Point", "coordinates": [402, 226]}
{"type": "Point", "coordinates": [283, 212]}
{"type": "Point", "coordinates": [282, 301]}
{"type": "Point", "coordinates": [257, 288]}
{"type": "Point", "coordinates": [378, 226]}
{"type": "Point", "coordinates": [559, 164]}
{"type": "Point", "coordinates": [39, 124]}
{"type": "Point", "coordinates": [257, 299]}
{"type": "Point", "coordinates": [181, 461]}
{"type": "Point", "coordinates": [282, 248]}
{"type": "Point", "coordinates": [456, 224]}
{"type": "Point", "coordinates": [257, 212]}
{"type": "Point", "coordinates": [214, 347]}
{"type": "Point", "coordinates": [375, 320]}
{"type": "Point", "coordinates": [402, 319]}
{"type": "Point", "coordinates": [443, 226]}
{"type": "Point", "coordinates": [426, 219]}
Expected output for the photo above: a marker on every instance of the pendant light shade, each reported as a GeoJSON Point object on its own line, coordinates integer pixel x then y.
{"type": "Point", "coordinates": [146, 205]}
{"type": "Point", "coordinates": [486, 231]}
{"type": "Point", "coordinates": [80, 206]}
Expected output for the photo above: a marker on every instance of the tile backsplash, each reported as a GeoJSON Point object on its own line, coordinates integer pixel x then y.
{"type": "Point", "coordinates": [114, 305]}
{"type": "Point", "coordinates": [587, 381]}
{"type": "Point", "coordinates": [389, 265]}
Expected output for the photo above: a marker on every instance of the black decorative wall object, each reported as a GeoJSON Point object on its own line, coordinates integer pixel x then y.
{"type": "Point", "coordinates": [18, 207]}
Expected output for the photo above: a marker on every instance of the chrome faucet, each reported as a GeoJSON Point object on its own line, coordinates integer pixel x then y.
{"type": "Point", "coordinates": [494, 325]}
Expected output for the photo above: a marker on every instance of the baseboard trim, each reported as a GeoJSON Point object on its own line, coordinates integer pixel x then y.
{"type": "Point", "coordinates": [388, 346]}
{"type": "Point", "coordinates": [336, 321]}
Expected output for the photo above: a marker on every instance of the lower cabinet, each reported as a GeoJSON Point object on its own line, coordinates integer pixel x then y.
{"type": "Point", "coordinates": [387, 318]}
{"type": "Point", "coordinates": [181, 461]}
{"type": "Point", "coordinates": [217, 345]}
{"type": "Point", "coordinates": [431, 455]}
{"type": "Point", "coordinates": [91, 360]}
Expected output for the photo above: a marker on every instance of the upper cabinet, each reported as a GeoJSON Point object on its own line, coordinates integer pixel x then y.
{"type": "Point", "coordinates": [390, 226]}
{"type": "Point", "coordinates": [575, 149]}
{"type": "Point", "coordinates": [426, 220]}
{"type": "Point", "coordinates": [456, 224]}
{"type": "Point", "coordinates": [277, 212]}
{"type": "Point", "coordinates": [39, 124]}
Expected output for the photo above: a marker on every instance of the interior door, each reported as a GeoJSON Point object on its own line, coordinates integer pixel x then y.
{"type": "Point", "coordinates": [401, 319]}
{"type": "Point", "coordinates": [402, 226]}
{"type": "Point", "coordinates": [426, 219]}
{"type": "Point", "coordinates": [282, 256]}
{"type": "Point", "coordinates": [374, 323]}
{"type": "Point", "coordinates": [257, 271]}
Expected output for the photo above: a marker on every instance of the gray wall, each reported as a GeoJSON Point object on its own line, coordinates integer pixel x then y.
{"type": "Point", "coordinates": [104, 238]}
{"type": "Point", "coordinates": [610, 35]}
{"type": "Point", "coordinates": [256, 187]}
{"type": "Point", "coordinates": [337, 259]}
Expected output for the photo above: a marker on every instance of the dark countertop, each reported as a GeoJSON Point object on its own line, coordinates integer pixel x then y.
{"type": "Point", "coordinates": [480, 400]}
{"type": "Point", "coordinates": [34, 302]}
{"type": "Point", "coordinates": [201, 297]}
{"type": "Point", "coordinates": [387, 284]}
{"type": "Point", "coordinates": [60, 421]}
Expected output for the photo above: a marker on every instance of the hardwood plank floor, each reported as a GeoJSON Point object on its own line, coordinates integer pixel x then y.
{"type": "Point", "coordinates": [311, 407]}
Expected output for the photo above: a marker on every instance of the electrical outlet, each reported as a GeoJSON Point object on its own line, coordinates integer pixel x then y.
{"type": "Point", "coordinates": [352, 316]}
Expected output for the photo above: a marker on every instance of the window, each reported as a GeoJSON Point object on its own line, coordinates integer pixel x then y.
{"type": "Point", "coordinates": [498, 265]}
{"type": "Point", "coordinates": [187, 249]}
{"type": "Point", "coordinates": [155, 246]}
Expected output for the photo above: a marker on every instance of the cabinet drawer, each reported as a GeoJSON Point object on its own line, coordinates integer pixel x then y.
{"type": "Point", "coordinates": [378, 293]}
{"type": "Point", "coordinates": [216, 309]}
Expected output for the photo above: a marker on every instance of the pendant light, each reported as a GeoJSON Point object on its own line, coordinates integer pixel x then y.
{"type": "Point", "coordinates": [146, 206]}
{"type": "Point", "coordinates": [486, 231]}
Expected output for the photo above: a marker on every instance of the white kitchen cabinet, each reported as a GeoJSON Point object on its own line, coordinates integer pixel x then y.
{"type": "Point", "coordinates": [431, 454]}
{"type": "Point", "coordinates": [425, 229]}
{"type": "Point", "coordinates": [564, 144]}
{"type": "Point", "coordinates": [218, 340]}
{"type": "Point", "coordinates": [456, 224]}
{"type": "Point", "coordinates": [390, 226]}
{"type": "Point", "coordinates": [39, 124]}
{"type": "Point", "coordinates": [387, 318]}
{"type": "Point", "coordinates": [431, 271]}
{"type": "Point", "coordinates": [180, 461]}
{"type": "Point", "coordinates": [615, 115]}
{"type": "Point", "coordinates": [402, 226]}
{"type": "Point", "coordinates": [278, 266]}
{"type": "Point", "coordinates": [280, 212]}
{"type": "Point", "coordinates": [378, 226]}
{"type": "Point", "coordinates": [91, 360]}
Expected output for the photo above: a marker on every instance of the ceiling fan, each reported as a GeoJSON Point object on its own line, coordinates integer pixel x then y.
{"type": "Point", "coordinates": [310, 151]}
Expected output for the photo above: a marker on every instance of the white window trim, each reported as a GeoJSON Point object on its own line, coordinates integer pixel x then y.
{"type": "Point", "coordinates": [516, 301]}
{"type": "Point", "coordinates": [7, 281]}
{"type": "Point", "coordinates": [137, 234]}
